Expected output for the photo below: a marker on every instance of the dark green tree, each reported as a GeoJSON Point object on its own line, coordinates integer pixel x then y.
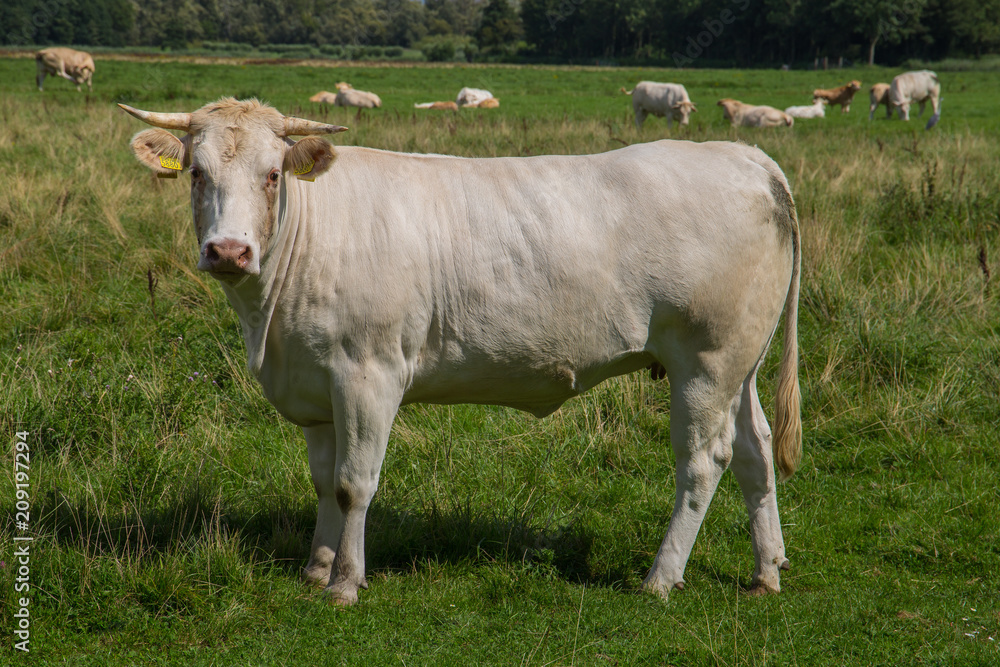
{"type": "Point", "coordinates": [500, 29]}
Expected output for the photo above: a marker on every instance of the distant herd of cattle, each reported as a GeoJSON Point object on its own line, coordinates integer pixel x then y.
{"type": "Point", "coordinates": [665, 100]}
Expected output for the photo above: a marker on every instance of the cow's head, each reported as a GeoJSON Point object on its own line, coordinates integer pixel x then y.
{"type": "Point", "coordinates": [237, 153]}
{"type": "Point", "coordinates": [854, 85]}
{"type": "Point", "coordinates": [729, 107]}
{"type": "Point", "coordinates": [683, 111]}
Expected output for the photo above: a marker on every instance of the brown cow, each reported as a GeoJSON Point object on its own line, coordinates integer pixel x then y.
{"type": "Point", "coordinates": [879, 94]}
{"type": "Point", "coordinates": [72, 65]}
{"type": "Point", "coordinates": [323, 97]}
{"type": "Point", "coordinates": [841, 95]}
{"type": "Point", "coordinates": [489, 103]}
{"type": "Point", "coordinates": [440, 106]}
{"type": "Point", "coordinates": [739, 113]}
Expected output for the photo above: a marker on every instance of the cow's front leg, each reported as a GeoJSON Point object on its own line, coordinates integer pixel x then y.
{"type": "Point", "coordinates": [365, 404]}
{"type": "Point", "coordinates": [322, 443]}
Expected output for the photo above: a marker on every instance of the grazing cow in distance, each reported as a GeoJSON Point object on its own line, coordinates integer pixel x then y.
{"type": "Point", "coordinates": [470, 97]}
{"type": "Point", "coordinates": [442, 106]}
{"type": "Point", "coordinates": [816, 110]}
{"type": "Point", "coordinates": [917, 87]}
{"type": "Point", "coordinates": [748, 115]}
{"type": "Point", "coordinates": [664, 100]}
{"type": "Point", "coordinates": [366, 279]}
{"type": "Point", "coordinates": [842, 95]}
{"type": "Point", "coordinates": [879, 94]}
{"type": "Point", "coordinates": [70, 64]}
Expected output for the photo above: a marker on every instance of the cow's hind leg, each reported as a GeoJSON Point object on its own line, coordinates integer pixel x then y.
{"type": "Point", "coordinates": [640, 117]}
{"type": "Point", "coordinates": [701, 433]}
{"type": "Point", "coordinates": [322, 443]}
{"type": "Point", "coordinates": [753, 468]}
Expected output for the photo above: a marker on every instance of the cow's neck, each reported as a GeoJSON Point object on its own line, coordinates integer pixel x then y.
{"type": "Point", "coordinates": [255, 299]}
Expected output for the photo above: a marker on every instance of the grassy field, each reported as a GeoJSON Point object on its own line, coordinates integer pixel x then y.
{"type": "Point", "coordinates": [171, 507]}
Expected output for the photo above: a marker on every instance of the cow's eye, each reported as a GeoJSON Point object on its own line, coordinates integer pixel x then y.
{"type": "Point", "coordinates": [273, 177]}
{"type": "Point", "coordinates": [195, 173]}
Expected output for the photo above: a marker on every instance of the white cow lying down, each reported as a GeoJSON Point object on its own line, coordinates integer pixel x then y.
{"type": "Point", "coordinates": [471, 97]}
{"type": "Point", "coordinates": [815, 110]}
{"type": "Point", "coordinates": [397, 278]}
{"type": "Point", "coordinates": [918, 87]}
{"type": "Point", "coordinates": [668, 100]}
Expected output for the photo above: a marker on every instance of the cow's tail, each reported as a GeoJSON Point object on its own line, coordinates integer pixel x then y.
{"type": "Point", "coordinates": [787, 438]}
{"type": "Point", "coordinates": [627, 92]}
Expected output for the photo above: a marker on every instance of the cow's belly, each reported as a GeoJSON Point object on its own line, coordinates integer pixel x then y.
{"type": "Point", "coordinates": [540, 390]}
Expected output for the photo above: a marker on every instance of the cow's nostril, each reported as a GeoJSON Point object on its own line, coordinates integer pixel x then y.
{"type": "Point", "coordinates": [228, 256]}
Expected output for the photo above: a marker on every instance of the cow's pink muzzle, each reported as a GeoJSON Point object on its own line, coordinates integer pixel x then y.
{"type": "Point", "coordinates": [226, 256]}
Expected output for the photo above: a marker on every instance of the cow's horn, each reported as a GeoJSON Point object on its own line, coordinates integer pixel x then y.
{"type": "Point", "coordinates": [302, 127]}
{"type": "Point", "coordinates": [168, 121]}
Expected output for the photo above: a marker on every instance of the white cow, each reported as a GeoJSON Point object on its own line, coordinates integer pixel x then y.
{"type": "Point", "coordinates": [398, 278]}
{"type": "Point", "coordinates": [918, 87]}
{"type": "Point", "coordinates": [663, 100]}
{"type": "Point", "coordinates": [749, 115]}
{"type": "Point", "coordinates": [350, 97]}
{"type": "Point", "coordinates": [472, 97]}
{"type": "Point", "coordinates": [815, 110]}
{"type": "Point", "coordinates": [70, 64]}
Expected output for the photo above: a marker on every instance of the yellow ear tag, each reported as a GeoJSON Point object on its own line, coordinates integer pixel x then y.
{"type": "Point", "coordinates": [305, 169]}
{"type": "Point", "coordinates": [170, 163]}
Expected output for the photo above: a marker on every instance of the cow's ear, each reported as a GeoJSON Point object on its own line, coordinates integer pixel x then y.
{"type": "Point", "coordinates": [161, 151]}
{"type": "Point", "coordinates": [309, 157]}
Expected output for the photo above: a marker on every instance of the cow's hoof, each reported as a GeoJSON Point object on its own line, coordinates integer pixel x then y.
{"type": "Point", "coordinates": [342, 599]}
{"type": "Point", "coordinates": [761, 591]}
{"type": "Point", "coordinates": [342, 593]}
{"type": "Point", "coordinates": [657, 587]}
{"type": "Point", "coordinates": [317, 576]}
{"type": "Point", "coordinates": [759, 588]}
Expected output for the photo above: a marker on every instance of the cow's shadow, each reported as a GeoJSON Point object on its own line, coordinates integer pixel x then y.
{"type": "Point", "coordinates": [400, 541]}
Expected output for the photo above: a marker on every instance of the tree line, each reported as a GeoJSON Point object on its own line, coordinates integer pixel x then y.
{"type": "Point", "coordinates": [674, 32]}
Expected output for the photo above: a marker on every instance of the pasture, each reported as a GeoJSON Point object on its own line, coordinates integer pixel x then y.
{"type": "Point", "coordinates": [171, 507]}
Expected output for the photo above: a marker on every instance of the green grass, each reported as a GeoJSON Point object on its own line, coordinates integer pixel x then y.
{"type": "Point", "coordinates": [172, 507]}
